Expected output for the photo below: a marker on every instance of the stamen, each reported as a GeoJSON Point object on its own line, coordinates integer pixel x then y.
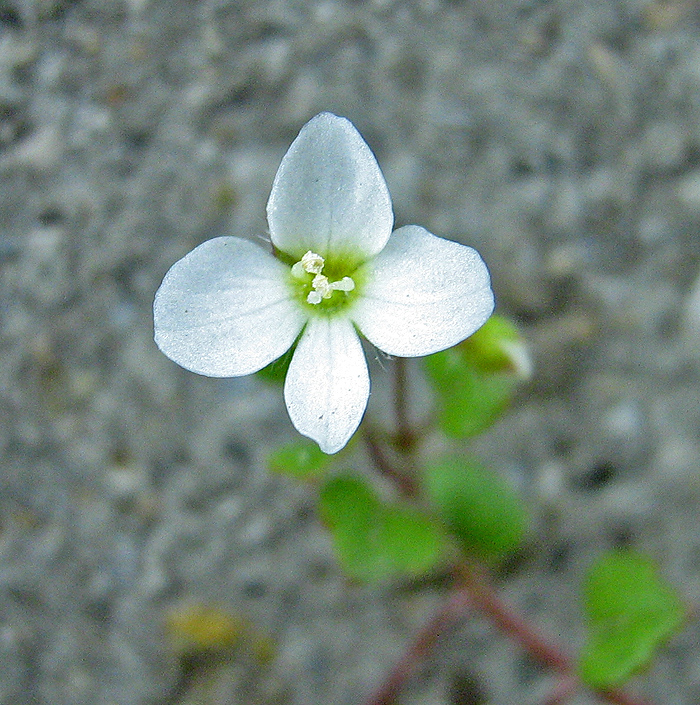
{"type": "Point", "coordinates": [323, 286]}
{"type": "Point", "coordinates": [345, 284]}
{"type": "Point", "coordinates": [311, 263]}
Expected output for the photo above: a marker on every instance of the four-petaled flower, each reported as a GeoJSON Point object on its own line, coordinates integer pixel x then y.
{"type": "Point", "coordinates": [229, 308]}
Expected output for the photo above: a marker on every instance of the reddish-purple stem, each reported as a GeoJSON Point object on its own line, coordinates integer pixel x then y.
{"type": "Point", "coordinates": [566, 686]}
{"type": "Point", "coordinates": [418, 650]}
{"type": "Point", "coordinates": [403, 479]}
{"type": "Point", "coordinates": [474, 590]}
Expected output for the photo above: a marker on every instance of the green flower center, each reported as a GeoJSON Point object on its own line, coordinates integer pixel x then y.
{"type": "Point", "coordinates": [322, 291]}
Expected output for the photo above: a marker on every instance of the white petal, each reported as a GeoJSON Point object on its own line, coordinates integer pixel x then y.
{"type": "Point", "coordinates": [327, 384]}
{"type": "Point", "coordinates": [329, 195]}
{"type": "Point", "coordinates": [423, 294]}
{"type": "Point", "coordinates": [224, 310]}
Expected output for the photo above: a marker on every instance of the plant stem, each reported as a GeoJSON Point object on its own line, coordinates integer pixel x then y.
{"type": "Point", "coordinates": [404, 481]}
{"type": "Point", "coordinates": [485, 598]}
{"type": "Point", "coordinates": [474, 588]}
{"type": "Point", "coordinates": [475, 591]}
{"type": "Point", "coordinates": [418, 650]}
{"type": "Point", "coordinates": [564, 689]}
{"type": "Point", "coordinates": [405, 437]}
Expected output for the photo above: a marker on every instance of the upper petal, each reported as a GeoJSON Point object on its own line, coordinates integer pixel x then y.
{"type": "Point", "coordinates": [423, 294]}
{"type": "Point", "coordinates": [329, 195]}
{"type": "Point", "coordinates": [224, 310]}
{"type": "Point", "coordinates": [327, 383]}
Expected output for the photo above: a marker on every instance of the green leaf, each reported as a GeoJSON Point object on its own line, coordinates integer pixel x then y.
{"type": "Point", "coordinates": [479, 507]}
{"type": "Point", "coordinates": [469, 401]}
{"type": "Point", "coordinates": [302, 460]}
{"type": "Point", "coordinates": [475, 380]}
{"type": "Point", "coordinates": [492, 347]}
{"type": "Point", "coordinates": [412, 541]}
{"type": "Point", "coordinates": [276, 371]}
{"type": "Point", "coordinates": [349, 508]}
{"type": "Point", "coordinates": [631, 611]}
{"type": "Point", "coordinates": [374, 540]}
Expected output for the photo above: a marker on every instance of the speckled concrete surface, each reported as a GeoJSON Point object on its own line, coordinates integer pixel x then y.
{"type": "Point", "coordinates": [561, 139]}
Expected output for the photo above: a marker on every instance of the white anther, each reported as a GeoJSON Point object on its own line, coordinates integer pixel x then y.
{"type": "Point", "coordinates": [321, 284]}
{"type": "Point", "coordinates": [322, 288]}
{"type": "Point", "coordinates": [312, 263]}
{"type": "Point", "coordinates": [345, 284]}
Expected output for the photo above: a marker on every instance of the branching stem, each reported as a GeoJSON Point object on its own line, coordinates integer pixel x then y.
{"type": "Point", "coordinates": [473, 590]}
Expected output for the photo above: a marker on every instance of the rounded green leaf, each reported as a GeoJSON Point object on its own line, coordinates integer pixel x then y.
{"type": "Point", "coordinates": [346, 499]}
{"type": "Point", "coordinates": [375, 540]}
{"type": "Point", "coordinates": [475, 380]}
{"type": "Point", "coordinates": [350, 510]}
{"type": "Point", "coordinates": [412, 541]}
{"type": "Point", "coordinates": [494, 346]}
{"type": "Point", "coordinates": [631, 611]}
{"type": "Point", "coordinates": [469, 401]}
{"type": "Point", "coordinates": [480, 508]}
{"type": "Point", "coordinates": [302, 460]}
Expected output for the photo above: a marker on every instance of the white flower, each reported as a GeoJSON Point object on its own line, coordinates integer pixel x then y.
{"type": "Point", "coordinates": [229, 308]}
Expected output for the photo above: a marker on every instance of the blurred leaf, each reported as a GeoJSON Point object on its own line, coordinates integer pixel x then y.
{"type": "Point", "coordinates": [350, 509]}
{"type": "Point", "coordinates": [469, 401]}
{"type": "Point", "coordinates": [492, 348]}
{"type": "Point", "coordinates": [276, 371]}
{"type": "Point", "coordinates": [480, 508]}
{"type": "Point", "coordinates": [374, 540]}
{"type": "Point", "coordinates": [475, 380]}
{"type": "Point", "coordinates": [302, 460]}
{"type": "Point", "coordinates": [413, 542]}
{"type": "Point", "coordinates": [631, 611]}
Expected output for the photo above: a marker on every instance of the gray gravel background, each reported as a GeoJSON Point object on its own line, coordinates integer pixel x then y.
{"type": "Point", "coordinates": [561, 138]}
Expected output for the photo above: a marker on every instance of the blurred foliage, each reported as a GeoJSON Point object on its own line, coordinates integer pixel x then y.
{"type": "Point", "coordinates": [375, 540]}
{"type": "Point", "coordinates": [474, 381]}
{"type": "Point", "coordinates": [300, 460]}
{"type": "Point", "coordinates": [478, 506]}
{"type": "Point", "coordinates": [631, 611]}
{"type": "Point", "coordinates": [197, 626]}
{"type": "Point", "coordinates": [276, 371]}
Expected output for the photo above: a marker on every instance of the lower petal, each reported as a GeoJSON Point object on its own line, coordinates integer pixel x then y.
{"type": "Point", "coordinates": [225, 309]}
{"type": "Point", "coordinates": [327, 384]}
{"type": "Point", "coordinates": [423, 294]}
